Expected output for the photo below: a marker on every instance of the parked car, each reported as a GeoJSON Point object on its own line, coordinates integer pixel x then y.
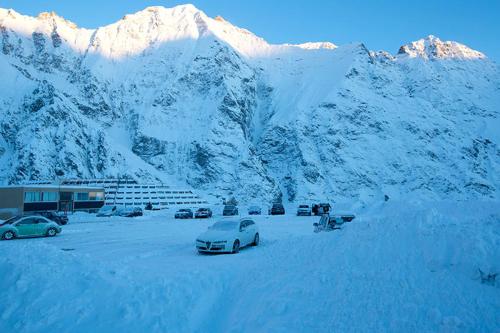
{"type": "Point", "coordinates": [184, 213]}
{"type": "Point", "coordinates": [228, 236]}
{"type": "Point", "coordinates": [254, 210]}
{"type": "Point", "coordinates": [322, 208]}
{"type": "Point", "coordinates": [130, 211]}
{"type": "Point", "coordinates": [203, 213]}
{"type": "Point", "coordinates": [277, 209]}
{"type": "Point", "coordinates": [28, 226]}
{"type": "Point", "coordinates": [53, 216]}
{"type": "Point", "coordinates": [107, 211]}
{"type": "Point", "coordinates": [230, 210]}
{"type": "Point", "coordinates": [304, 210]}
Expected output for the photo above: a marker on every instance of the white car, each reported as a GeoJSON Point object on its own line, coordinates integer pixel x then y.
{"type": "Point", "coordinates": [228, 236]}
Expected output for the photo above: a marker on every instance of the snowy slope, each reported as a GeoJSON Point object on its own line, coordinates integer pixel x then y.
{"type": "Point", "coordinates": [398, 267]}
{"type": "Point", "coordinates": [174, 95]}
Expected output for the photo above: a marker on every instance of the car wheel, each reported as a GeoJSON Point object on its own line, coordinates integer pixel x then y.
{"type": "Point", "coordinates": [8, 235]}
{"type": "Point", "coordinates": [256, 240]}
{"type": "Point", "coordinates": [51, 232]}
{"type": "Point", "coordinates": [236, 246]}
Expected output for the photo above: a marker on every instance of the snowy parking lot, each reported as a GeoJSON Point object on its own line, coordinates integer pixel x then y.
{"type": "Point", "coordinates": [394, 268]}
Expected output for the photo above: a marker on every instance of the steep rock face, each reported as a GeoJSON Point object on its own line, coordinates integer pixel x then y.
{"type": "Point", "coordinates": [175, 96]}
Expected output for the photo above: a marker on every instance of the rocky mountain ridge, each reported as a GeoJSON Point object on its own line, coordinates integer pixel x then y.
{"type": "Point", "coordinates": [176, 96]}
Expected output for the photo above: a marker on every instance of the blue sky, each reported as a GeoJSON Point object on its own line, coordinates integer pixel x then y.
{"type": "Point", "coordinates": [381, 25]}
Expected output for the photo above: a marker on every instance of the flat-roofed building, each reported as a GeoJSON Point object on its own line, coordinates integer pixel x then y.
{"type": "Point", "coordinates": [128, 192]}
{"type": "Point", "coordinates": [24, 199]}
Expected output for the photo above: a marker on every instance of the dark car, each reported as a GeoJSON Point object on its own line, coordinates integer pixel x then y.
{"type": "Point", "coordinates": [53, 216]}
{"type": "Point", "coordinates": [230, 210]}
{"type": "Point", "coordinates": [130, 211]}
{"type": "Point", "coordinates": [203, 213]}
{"type": "Point", "coordinates": [277, 209]}
{"type": "Point", "coordinates": [254, 210]}
{"type": "Point", "coordinates": [322, 208]}
{"type": "Point", "coordinates": [184, 213]}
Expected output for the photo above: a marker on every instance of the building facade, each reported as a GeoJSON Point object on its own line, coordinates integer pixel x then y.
{"type": "Point", "coordinates": [128, 192]}
{"type": "Point", "coordinates": [25, 199]}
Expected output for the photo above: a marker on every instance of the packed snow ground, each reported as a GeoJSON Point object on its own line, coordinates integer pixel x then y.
{"type": "Point", "coordinates": [397, 267]}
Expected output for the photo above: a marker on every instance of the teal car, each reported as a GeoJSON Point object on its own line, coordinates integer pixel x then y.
{"type": "Point", "coordinates": [28, 226]}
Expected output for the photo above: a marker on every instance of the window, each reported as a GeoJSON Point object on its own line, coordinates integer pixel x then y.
{"type": "Point", "coordinates": [27, 221]}
{"type": "Point", "coordinates": [32, 196]}
{"type": "Point", "coordinates": [40, 196]}
{"type": "Point", "coordinates": [49, 196]}
{"type": "Point", "coordinates": [89, 196]}
{"type": "Point", "coordinates": [96, 196]}
{"type": "Point", "coordinates": [82, 196]}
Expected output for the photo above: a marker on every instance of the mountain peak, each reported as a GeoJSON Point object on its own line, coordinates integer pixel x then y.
{"type": "Point", "coordinates": [53, 18]}
{"type": "Point", "coordinates": [316, 45]}
{"type": "Point", "coordinates": [431, 47]}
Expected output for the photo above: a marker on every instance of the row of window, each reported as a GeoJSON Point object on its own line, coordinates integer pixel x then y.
{"type": "Point", "coordinates": [114, 185]}
{"type": "Point", "coordinates": [151, 192]}
{"type": "Point", "coordinates": [89, 196]}
{"type": "Point", "coordinates": [43, 196]}
{"type": "Point", "coordinates": [156, 203]}
{"type": "Point", "coordinates": [147, 198]}
{"type": "Point", "coordinates": [40, 196]}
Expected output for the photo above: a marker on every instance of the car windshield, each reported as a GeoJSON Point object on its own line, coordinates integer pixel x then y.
{"type": "Point", "coordinates": [229, 208]}
{"type": "Point", "coordinates": [277, 205]}
{"type": "Point", "coordinates": [12, 220]}
{"type": "Point", "coordinates": [183, 210]}
{"type": "Point", "coordinates": [203, 209]}
{"type": "Point", "coordinates": [106, 208]}
{"type": "Point", "coordinates": [225, 225]}
{"type": "Point", "coordinates": [303, 206]}
{"type": "Point", "coordinates": [254, 208]}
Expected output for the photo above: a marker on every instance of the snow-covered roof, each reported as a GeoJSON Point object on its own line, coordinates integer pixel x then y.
{"type": "Point", "coordinates": [54, 187]}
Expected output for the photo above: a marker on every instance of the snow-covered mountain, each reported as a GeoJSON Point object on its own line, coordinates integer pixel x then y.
{"type": "Point", "coordinates": [176, 96]}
